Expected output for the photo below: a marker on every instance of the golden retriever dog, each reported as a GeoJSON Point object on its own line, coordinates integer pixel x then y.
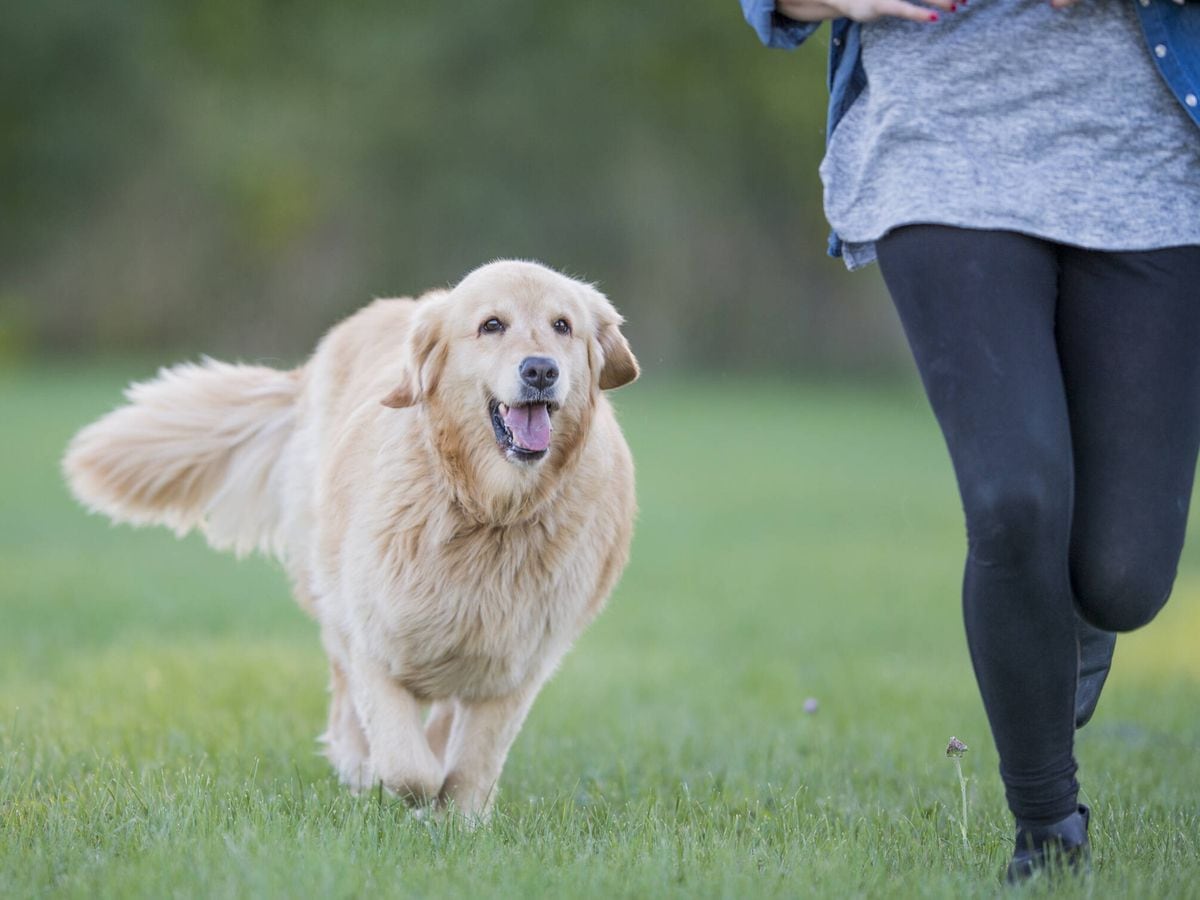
{"type": "Point", "coordinates": [444, 482]}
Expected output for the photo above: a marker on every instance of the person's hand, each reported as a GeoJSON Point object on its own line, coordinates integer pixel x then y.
{"type": "Point", "coordinates": [1062, 4]}
{"type": "Point", "coordinates": [867, 10]}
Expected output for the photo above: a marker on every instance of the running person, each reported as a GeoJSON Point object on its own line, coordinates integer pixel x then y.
{"type": "Point", "coordinates": [1027, 174]}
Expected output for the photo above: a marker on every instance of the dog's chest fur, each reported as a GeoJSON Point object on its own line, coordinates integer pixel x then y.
{"type": "Point", "coordinates": [468, 610]}
{"type": "Point", "coordinates": [479, 629]}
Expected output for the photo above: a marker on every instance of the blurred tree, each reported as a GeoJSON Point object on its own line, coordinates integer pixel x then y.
{"type": "Point", "coordinates": [232, 175]}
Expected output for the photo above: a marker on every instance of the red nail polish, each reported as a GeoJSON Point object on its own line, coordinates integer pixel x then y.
{"type": "Point", "coordinates": [953, 7]}
{"type": "Point", "coordinates": [933, 17]}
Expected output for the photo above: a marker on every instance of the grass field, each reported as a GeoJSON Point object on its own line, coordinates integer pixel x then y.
{"type": "Point", "coordinates": [158, 702]}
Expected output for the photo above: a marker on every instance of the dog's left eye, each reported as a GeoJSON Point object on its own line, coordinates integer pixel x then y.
{"type": "Point", "coordinates": [562, 326]}
{"type": "Point", "coordinates": [491, 326]}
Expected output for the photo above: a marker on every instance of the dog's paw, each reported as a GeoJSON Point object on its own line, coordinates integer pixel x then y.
{"type": "Point", "coordinates": [466, 800]}
{"type": "Point", "coordinates": [442, 813]}
{"type": "Point", "coordinates": [352, 766]}
{"type": "Point", "coordinates": [414, 784]}
{"type": "Point", "coordinates": [358, 776]}
{"type": "Point", "coordinates": [360, 779]}
{"type": "Point", "coordinates": [429, 814]}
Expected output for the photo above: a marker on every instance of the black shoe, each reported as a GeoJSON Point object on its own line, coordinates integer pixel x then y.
{"type": "Point", "coordinates": [1095, 658]}
{"type": "Point", "coordinates": [1059, 848]}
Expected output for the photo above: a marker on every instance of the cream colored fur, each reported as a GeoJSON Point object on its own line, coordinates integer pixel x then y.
{"type": "Point", "coordinates": [448, 578]}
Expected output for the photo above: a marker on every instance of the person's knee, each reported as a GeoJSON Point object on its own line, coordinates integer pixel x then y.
{"type": "Point", "coordinates": [1118, 594]}
{"type": "Point", "coordinates": [1011, 521]}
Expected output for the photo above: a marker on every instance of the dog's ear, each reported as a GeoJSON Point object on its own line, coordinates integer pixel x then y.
{"type": "Point", "coordinates": [618, 366]}
{"type": "Point", "coordinates": [426, 353]}
{"type": "Point", "coordinates": [403, 395]}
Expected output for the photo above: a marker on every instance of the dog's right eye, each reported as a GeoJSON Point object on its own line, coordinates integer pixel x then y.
{"type": "Point", "coordinates": [492, 326]}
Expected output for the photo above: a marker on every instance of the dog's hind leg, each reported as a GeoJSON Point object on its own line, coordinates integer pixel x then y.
{"type": "Point", "coordinates": [345, 743]}
{"type": "Point", "coordinates": [401, 757]}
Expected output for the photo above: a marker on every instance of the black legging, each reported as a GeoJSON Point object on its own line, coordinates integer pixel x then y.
{"type": "Point", "coordinates": [1067, 385]}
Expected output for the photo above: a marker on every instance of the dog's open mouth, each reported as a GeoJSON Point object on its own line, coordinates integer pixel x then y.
{"type": "Point", "coordinates": [522, 431]}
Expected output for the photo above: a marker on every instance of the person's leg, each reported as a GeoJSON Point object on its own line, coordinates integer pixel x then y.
{"type": "Point", "coordinates": [1096, 648]}
{"type": "Point", "coordinates": [1129, 340]}
{"type": "Point", "coordinates": [979, 311]}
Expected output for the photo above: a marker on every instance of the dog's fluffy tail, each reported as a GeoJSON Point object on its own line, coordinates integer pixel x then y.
{"type": "Point", "coordinates": [198, 446]}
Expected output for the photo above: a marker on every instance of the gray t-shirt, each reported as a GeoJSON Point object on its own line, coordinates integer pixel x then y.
{"type": "Point", "coordinates": [1011, 115]}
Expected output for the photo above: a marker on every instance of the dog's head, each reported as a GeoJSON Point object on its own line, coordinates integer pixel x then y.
{"type": "Point", "coordinates": [510, 361]}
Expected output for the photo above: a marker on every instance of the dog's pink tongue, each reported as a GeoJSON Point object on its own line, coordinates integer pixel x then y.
{"type": "Point", "coordinates": [530, 426]}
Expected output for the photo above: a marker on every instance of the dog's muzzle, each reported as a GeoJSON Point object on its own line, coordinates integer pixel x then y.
{"type": "Point", "coordinates": [523, 429]}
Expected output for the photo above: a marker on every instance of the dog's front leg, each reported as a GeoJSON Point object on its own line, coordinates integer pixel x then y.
{"type": "Point", "coordinates": [438, 725]}
{"type": "Point", "coordinates": [391, 717]}
{"type": "Point", "coordinates": [479, 742]}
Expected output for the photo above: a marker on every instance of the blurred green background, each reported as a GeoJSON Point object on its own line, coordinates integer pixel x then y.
{"type": "Point", "coordinates": [231, 177]}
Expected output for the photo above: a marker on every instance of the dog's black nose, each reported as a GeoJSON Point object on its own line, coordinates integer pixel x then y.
{"type": "Point", "coordinates": [539, 371]}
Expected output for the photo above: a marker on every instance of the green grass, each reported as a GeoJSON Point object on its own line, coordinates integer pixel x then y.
{"type": "Point", "coordinates": [158, 701]}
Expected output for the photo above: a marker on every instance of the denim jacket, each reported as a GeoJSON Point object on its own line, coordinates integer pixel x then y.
{"type": "Point", "coordinates": [1172, 30]}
